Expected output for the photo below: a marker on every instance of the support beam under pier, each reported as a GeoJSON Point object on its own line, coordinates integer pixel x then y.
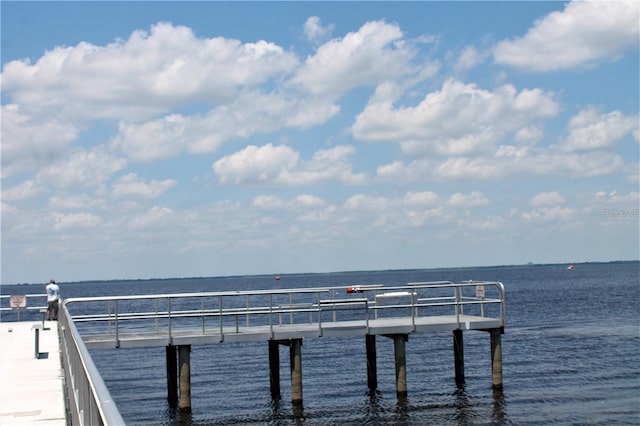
{"type": "Point", "coordinates": [184, 359]}
{"type": "Point", "coordinates": [458, 357]}
{"type": "Point", "coordinates": [372, 369]}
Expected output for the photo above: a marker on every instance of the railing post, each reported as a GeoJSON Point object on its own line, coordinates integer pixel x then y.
{"type": "Point", "coordinates": [169, 317]}
{"type": "Point", "coordinates": [221, 317]}
{"type": "Point", "coordinates": [202, 312]}
{"type": "Point", "coordinates": [270, 314]}
{"type": "Point", "coordinates": [366, 316]}
{"type": "Point", "coordinates": [319, 316]}
{"type": "Point", "coordinates": [117, 325]}
{"type": "Point", "coordinates": [413, 309]}
{"type": "Point", "coordinates": [291, 308]}
{"type": "Point", "coordinates": [248, 305]}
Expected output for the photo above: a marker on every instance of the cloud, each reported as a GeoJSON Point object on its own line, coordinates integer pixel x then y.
{"type": "Point", "coordinates": [23, 191]}
{"type": "Point", "coordinates": [456, 120]}
{"type": "Point", "coordinates": [469, 58]}
{"type": "Point", "coordinates": [592, 130]}
{"type": "Point", "coordinates": [547, 199]}
{"type": "Point", "coordinates": [549, 214]}
{"type": "Point", "coordinates": [281, 165]}
{"type": "Point", "coordinates": [584, 33]}
{"type": "Point", "coordinates": [74, 221]}
{"type": "Point", "coordinates": [256, 164]}
{"type": "Point", "coordinates": [83, 169]}
{"type": "Point", "coordinates": [314, 30]}
{"type": "Point", "coordinates": [144, 75]}
{"type": "Point", "coordinates": [156, 216]}
{"type": "Point", "coordinates": [249, 114]}
{"type": "Point", "coordinates": [131, 185]}
{"type": "Point", "coordinates": [473, 199]}
{"type": "Point", "coordinates": [521, 163]}
{"type": "Point", "coordinates": [373, 54]}
{"type": "Point", "coordinates": [31, 141]}
{"type": "Point", "coordinates": [424, 198]}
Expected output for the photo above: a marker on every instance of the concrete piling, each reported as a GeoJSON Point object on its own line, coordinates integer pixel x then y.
{"type": "Point", "coordinates": [496, 358]}
{"type": "Point", "coordinates": [295, 356]}
{"type": "Point", "coordinates": [184, 359]}
{"type": "Point", "coordinates": [399, 341]}
{"type": "Point", "coordinates": [179, 370]}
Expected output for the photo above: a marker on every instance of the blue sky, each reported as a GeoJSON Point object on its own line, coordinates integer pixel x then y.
{"type": "Point", "coordinates": [171, 139]}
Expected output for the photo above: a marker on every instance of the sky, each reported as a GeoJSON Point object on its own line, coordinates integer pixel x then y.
{"type": "Point", "coordinates": [190, 139]}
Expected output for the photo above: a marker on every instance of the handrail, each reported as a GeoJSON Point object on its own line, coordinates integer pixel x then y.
{"type": "Point", "coordinates": [90, 401]}
{"type": "Point", "coordinates": [316, 302]}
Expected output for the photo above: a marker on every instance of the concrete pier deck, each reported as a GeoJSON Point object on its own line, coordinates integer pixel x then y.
{"type": "Point", "coordinates": [31, 389]}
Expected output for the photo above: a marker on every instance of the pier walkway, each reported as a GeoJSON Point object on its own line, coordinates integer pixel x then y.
{"type": "Point", "coordinates": [31, 388]}
{"type": "Point", "coordinates": [38, 381]}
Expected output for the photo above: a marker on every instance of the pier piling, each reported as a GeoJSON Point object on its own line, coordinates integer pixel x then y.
{"type": "Point", "coordinates": [399, 341]}
{"type": "Point", "coordinates": [184, 359]}
{"type": "Point", "coordinates": [295, 355]}
{"type": "Point", "coordinates": [496, 358]}
{"type": "Point", "coordinates": [274, 369]}
{"type": "Point", "coordinates": [172, 375]}
{"type": "Point", "coordinates": [458, 356]}
{"type": "Point", "coordinates": [372, 369]}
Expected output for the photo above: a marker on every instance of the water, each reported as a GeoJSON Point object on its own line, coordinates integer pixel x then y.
{"type": "Point", "coordinates": [571, 356]}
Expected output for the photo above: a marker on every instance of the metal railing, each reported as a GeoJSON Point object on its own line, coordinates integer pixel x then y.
{"type": "Point", "coordinates": [5, 306]}
{"type": "Point", "coordinates": [231, 311]}
{"type": "Point", "coordinates": [90, 402]}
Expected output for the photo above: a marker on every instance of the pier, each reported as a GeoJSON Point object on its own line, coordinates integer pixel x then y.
{"type": "Point", "coordinates": [376, 314]}
{"type": "Point", "coordinates": [31, 376]}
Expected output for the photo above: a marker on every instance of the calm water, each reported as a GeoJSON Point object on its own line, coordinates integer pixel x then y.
{"type": "Point", "coordinates": [571, 356]}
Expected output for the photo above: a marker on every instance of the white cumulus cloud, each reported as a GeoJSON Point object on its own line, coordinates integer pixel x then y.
{"type": "Point", "coordinates": [584, 33]}
{"type": "Point", "coordinates": [458, 119]}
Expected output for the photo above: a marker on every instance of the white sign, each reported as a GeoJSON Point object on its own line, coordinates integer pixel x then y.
{"type": "Point", "coordinates": [480, 291]}
{"type": "Point", "coordinates": [18, 301]}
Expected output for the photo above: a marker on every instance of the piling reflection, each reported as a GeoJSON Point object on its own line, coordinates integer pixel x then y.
{"type": "Point", "coordinates": [177, 417]}
{"type": "Point", "coordinates": [464, 413]}
{"type": "Point", "coordinates": [499, 412]}
{"type": "Point", "coordinates": [298, 413]}
{"type": "Point", "coordinates": [402, 409]}
{"type": "Point", "coordinates": [373, 410]}
{"type": "Point", "coordinates": [279, 414]}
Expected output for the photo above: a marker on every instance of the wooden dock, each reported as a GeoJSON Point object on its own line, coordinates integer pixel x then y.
{"type": "Point", "coordinates": [31, 384]}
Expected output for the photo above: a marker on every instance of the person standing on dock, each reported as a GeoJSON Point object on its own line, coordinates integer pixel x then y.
{"type": "Point", "coordinates": [53, 297]}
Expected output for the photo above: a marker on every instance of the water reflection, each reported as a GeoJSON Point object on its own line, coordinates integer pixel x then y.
{"type": "Point", "coordinates": [402, 409]}
{"type": "Point", "coordinates": [279, 415]}
{"type": "Point", "coordinates": [464, 412]}
{"type": "Point", "coordinates": [499, 414]}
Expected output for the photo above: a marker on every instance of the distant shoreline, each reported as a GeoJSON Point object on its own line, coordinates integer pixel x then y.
{"type": "Point", "coordinates": [284, 274]}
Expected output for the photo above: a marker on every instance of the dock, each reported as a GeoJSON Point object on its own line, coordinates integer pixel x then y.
{"type": "Point", "coordinates": [31, 383]}
{"type": "Point", "coordinates": [47, 375]}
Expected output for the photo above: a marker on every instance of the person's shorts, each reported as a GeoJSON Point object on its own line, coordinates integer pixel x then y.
{"type": "Point", "coordinates": [53, 304]}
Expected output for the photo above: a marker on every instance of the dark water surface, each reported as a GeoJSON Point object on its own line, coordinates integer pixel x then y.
{"type": "Point", "coordinates": [571, 356]}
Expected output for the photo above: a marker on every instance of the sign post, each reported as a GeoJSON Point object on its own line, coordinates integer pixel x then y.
{"type": "Point", "coordinates": [480, 295]}
{"type": "Point", "coordinates": [18, 302]}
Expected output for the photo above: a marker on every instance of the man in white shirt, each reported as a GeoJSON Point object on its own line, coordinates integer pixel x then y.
{"type": "Point", "coordinates": [53, 296]}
